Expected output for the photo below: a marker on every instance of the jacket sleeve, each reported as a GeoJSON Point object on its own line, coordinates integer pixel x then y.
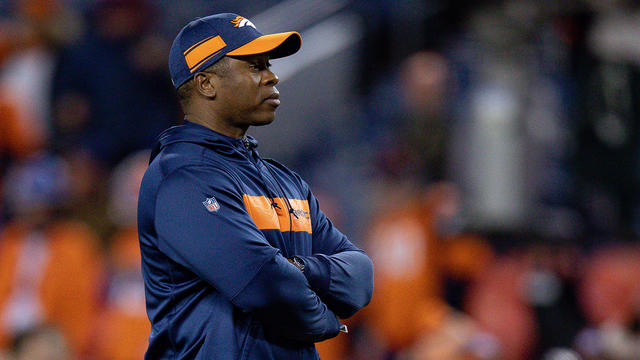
{"type": "Point", "coordinates": [222, 245]}
{"type": "Point", "coordinates": [340, 272]}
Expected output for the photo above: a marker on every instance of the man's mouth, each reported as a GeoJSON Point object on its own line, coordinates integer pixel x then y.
{"type": "Point", "coordinates": [273, 99]}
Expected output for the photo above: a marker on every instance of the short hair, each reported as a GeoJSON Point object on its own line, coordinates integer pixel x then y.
{"type": "Point", "coordinates": [185, 91]}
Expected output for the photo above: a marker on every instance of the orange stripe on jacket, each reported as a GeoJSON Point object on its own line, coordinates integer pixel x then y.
{"type": "Point", "coordinates": [300, 223]}
{"type": "Point", "coordinates": [260, 210]}
{"type": "Point", "coordinates": [195, 55]}
{"type": "Point", "coordinates": [267, 217]}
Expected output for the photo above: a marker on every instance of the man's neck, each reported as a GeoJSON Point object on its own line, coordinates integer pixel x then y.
{"type": "Point", "coordinates": [216, 125]}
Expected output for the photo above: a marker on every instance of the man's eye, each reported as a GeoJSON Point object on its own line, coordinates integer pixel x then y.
{"type": "Point", "coordinates": [259, 67]}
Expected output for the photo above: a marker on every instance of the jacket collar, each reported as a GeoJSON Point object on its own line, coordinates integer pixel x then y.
{"type": "Point", "coordinates": [197, 134]}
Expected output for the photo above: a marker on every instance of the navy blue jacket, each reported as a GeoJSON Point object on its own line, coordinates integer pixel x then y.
{"type": "Point", "coordinates": [216, 225]}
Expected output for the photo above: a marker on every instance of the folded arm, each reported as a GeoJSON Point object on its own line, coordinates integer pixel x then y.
{"type": "Point", "coordinates": [222, 245]}
{"type": "Point", "coordinates": [340, 272]}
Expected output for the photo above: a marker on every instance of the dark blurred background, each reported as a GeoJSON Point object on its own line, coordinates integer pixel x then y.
{"type": "Point", "coordinates": [484, 153]}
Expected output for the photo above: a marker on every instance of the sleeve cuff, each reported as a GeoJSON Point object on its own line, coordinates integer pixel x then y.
{"type": "Point", "coordinates": [318, 272]}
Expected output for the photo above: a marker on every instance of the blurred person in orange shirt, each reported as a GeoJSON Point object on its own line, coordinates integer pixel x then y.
{"type": "Point", "coordinates": [409, 316]}
{"type": "Point", "coordinates": [50, 267]}
{"type": "Point", "coordinates": [33, 36]}
{"type": "Point", "coordinates": [123, 327]}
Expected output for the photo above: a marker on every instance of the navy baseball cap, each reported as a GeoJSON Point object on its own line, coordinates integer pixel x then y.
{"type": "Point", "coordinates": [206, 40]}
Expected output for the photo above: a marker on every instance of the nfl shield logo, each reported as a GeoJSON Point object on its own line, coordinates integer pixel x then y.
{"type": "Point", "coordinates": [211, 204]}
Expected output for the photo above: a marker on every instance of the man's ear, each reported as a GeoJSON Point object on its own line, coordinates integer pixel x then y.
{"type": "Point", "coordinates": [204, 84]}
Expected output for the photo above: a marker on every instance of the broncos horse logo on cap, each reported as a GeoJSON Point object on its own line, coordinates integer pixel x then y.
{"type": "Point", "coordinates": [240, 21]}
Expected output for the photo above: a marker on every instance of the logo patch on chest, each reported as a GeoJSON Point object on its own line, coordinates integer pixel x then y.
{"type": "Point", "coordinates": [211, 204]}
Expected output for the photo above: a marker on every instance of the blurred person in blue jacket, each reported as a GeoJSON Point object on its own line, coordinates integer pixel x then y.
{"type": "Point", "coordinates": [237, 257]}
{"type": "Point", "coordinates": [111, 94]}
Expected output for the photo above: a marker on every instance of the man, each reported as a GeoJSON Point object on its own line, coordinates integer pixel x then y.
{"type": "Point", "coordinates": [239, 261]}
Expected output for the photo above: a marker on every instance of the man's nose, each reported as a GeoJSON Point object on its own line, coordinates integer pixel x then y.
{"type": "Point", "coordinates": [270, 78]}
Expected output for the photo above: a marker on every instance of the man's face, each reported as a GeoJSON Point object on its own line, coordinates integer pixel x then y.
{"type": "Point", "coordinates": [246, 91]}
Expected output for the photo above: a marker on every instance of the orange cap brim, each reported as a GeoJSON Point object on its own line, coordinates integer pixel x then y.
{"type": "Point", "coordinates": [277, 45]}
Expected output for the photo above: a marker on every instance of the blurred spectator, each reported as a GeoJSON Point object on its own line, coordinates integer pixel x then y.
{"type": "Point", "coordinates": [88, 195]}
{"type": "Point", "coordinates": [414, 131]}
{"type": "Point", "coordinates": [50, 269]}
{"type": "Point", "coordinates": [41, 343]}
{"type": "Point", "coordinates": [409, 315]}
{"type": "Point", "coordinates": [610, 289]}
{"type": "Point", "coordinates": [396, 29]}
{"type": "Point", "coordinates": [402, 236]}
{"type": "Point", "coordinates": [112, 93]}
{"type": "Point", "coordinates": [498, 304]}
{"type": "Point", "coordinates": [15, 34]}
{"type": "Point", "coordinates": [407, 122]}
{"type": "Point", "coordinates": [39, 28]}
{"type": "Point", "coordinates": [123, 326]}
{"type": "Point", "coordinates": [610, 299]}
{"type": "Point", "coordinates": [123, 189]}
{"type": "Point", "coordinates": [551, 284]}
{"type": "Point", "coordinates": [528, 299]}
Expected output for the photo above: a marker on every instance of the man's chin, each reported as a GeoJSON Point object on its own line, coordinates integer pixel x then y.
{"type": "Point", "coordinates": [263, 121]}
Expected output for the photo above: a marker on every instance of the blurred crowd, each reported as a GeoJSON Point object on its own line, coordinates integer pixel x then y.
{"type": "Point", "coordinates": [492, 174]}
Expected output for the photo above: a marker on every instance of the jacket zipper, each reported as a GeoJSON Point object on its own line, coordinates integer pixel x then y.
{"type": "Point", "coordinates": [249, 153]}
